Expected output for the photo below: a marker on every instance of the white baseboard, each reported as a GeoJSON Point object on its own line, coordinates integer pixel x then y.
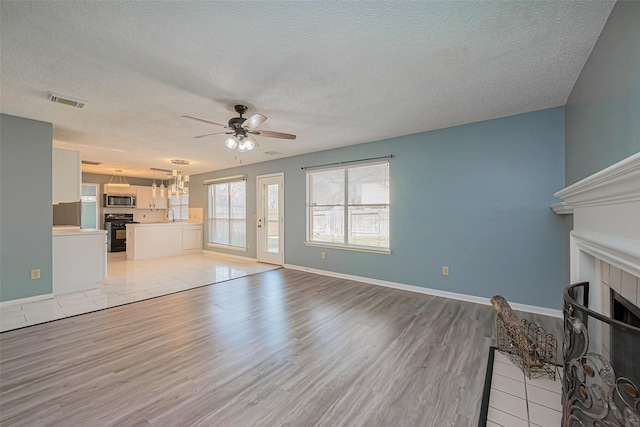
{"type": "Point", "coordinates": [25, 300]}
{"type": "Point", "coordinates": [428, 291]}
{"type": "Point", "coordinates": [238, 257]}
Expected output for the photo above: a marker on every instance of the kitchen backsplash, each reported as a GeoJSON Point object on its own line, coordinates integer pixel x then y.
{"type": "Point", "coordinates": [140, 215]}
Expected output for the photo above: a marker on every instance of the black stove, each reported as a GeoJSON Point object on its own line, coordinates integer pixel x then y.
{"type": "Point", "coordinates": [116, 226]}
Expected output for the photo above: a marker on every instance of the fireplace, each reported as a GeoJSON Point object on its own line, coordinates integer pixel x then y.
{"type": "Point", "coordinates": [601, 350]}
{"type": "Point", "coordinates": [625, 352]}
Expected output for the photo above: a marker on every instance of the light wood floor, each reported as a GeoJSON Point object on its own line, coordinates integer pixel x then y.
{"type": "Point", "coordinates": [277, 348]}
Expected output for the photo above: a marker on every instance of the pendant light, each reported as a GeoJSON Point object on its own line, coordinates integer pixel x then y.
{"type": "Point", "coordinates": [180, 184]}
{"type": "Point", "coordinates": [154, 187]}
{"type": "Point", "coordinates": [118, 180]}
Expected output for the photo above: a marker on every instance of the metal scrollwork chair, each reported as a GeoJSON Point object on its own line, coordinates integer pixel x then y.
{"type": "Point", "coordinates": [527, 345]}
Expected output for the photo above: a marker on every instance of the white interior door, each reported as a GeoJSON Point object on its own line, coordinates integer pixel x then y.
{"type": "Point", "coordinates": [270, 218]}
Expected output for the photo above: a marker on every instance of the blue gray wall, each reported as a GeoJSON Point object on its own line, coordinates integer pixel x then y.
{"type": "Point", "coordinates": [603, 110]}
{"type": "Point", "coordinates": [26, 214]}
{"type": "Point", "coordinates": [473, 197]}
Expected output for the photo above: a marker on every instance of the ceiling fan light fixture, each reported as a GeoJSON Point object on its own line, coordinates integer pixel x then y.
{"type": "Point", "coordinates": [245, 144]}
{"type": "Point", "coordinates": [231, 142]}
{"type": "Point", "coordinates": [241, 128]}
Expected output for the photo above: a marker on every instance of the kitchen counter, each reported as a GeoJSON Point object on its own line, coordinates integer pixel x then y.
{"type": "Point", "coordinates": [155, 240]}
{"type": "Point", "coordinates": [69, 230]}
{"type": "Point", "coordinates": [152, 224]}
{"type": "Point", "coordinates": [79, 259]}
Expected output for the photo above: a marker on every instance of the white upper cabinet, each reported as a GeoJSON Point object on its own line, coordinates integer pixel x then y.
{"type": "Point", "coordinates": [120, 191]}
{"type": "Point", "coordinates": [67, 175]}
{"type": "Point", "coordinates": [147, 201]}
{"type": "Point", "coordinates": [144, 197]}
{"type": "Point", "coordinates": [160, 202]}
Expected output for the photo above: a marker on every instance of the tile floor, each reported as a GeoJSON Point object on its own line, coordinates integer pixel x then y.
{"type": "Point", "coordinates": [517, 401]}
{"type": "Point", "coordinates": [129, 281]}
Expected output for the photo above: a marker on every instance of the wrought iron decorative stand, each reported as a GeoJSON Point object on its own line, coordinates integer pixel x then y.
{"type": "Point", "coordinates": [593, 394]}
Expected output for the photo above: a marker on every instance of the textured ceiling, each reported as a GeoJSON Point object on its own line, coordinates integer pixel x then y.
{"type": "Point", "coordinates": [334, 73]}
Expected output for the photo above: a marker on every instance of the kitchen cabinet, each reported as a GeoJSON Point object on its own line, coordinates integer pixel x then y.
{"type": "Point", "coordinates": [146, 241]}
{"type": "Point", "coordinates": [67, 175]}
{"type": "Point", "coordinates": [146, 200]}
{"type": "Point", "coordinates": [121, 191]}
{"type": "Point", "coordinates": [79, 259]}
{"type": "Point", "coordinates": [191, 237]}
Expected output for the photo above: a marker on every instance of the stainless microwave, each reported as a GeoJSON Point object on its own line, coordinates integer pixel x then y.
{"type": "Point", "coordinates": [119, 201]}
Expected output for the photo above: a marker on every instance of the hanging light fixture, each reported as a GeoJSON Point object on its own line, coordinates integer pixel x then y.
{"type": "Point", "coordinates": [154, 187]}
{"type": "Point", "coordinates": [231, 142]}
{"type": "Point", "coordinates": [242, 142]}
{"type": "Point", "coordinates": [161, 187]}
{"type": "Point", "coordinates": [180, 184]}
{"type": "Point", "coordinates": [118, 180]}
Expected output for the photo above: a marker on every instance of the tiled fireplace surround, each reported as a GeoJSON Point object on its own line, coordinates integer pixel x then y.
{"type": "Point", "coordinates": [625, 284]}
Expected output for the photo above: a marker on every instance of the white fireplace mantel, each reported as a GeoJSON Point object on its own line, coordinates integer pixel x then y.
{"type": "Point", "coordinates": [606, 220]}
{"type": "Point", "coordinates": [619, 183]}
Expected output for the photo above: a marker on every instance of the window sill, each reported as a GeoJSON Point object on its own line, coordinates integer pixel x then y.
{"type": "Point", "coordinates": [231, 248]}
{"type": "Point", "coordinates": [349, 248]}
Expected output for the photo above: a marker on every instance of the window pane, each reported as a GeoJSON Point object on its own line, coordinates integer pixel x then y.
{"type": "Point", "coordinates": [327, 187]}
{"type": "Point", "coordinates": [238, 234]}
{"type": "Point", "coordinates": [327, 224]}
{"type": "Point", "coordinates": [369, 185]}
{"type": "Point", "coordinates": [221, 231]}
{"type": "Point", "coordinates": [237, 200]}
{"type": "Point", "coordinates": [369, 226]}
{"type": "Point", "coordinates": [221, 201]}
{"type": "Point", "coordinates": [227, 213]}
{"type": "Point", "coordinates": [273, 219]}
{"type": "Point", "coordinates": [180, 206]}
{"type": "Point", "coordinates": [366, 201]}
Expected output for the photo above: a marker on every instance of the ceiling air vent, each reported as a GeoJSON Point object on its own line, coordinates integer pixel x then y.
{"type": "Point", "coordinates": [67, 100]}
{"type": "Point", "coordinates": [272, 153]}
{"type": "Point", "coordinates": [89, 162]}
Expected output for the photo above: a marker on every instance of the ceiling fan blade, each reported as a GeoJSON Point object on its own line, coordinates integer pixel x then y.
{"type": "Point", "coordinates": [209, 134]}
{"type": "Point", "coordinates": [255, 141]}
{"type": "Point", "coordinates": [254, 121]}
{"type": "Point", "coordinates": [204, 121]}
{"type": "Point", "coordinates": [270, 134]}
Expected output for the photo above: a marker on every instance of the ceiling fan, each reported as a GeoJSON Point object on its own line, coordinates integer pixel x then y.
{"type": "Point", "coordinates": [242, 130]}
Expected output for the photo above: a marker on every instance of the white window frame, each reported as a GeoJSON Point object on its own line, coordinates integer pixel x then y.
{"type": "Point", "coordinates": [344, 245]}
{"type": "Point", "coordinates": [229, 181]}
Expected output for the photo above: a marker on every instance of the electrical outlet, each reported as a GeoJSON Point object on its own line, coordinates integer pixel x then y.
{"type": "Point", "coordinates": [323, 255]}
{"type": "Point", "coordinates": [445, 270]}
{"type": "Point", "coordinates": [35, 273]}
{"type": "Point", "coordinates": [248, 245]}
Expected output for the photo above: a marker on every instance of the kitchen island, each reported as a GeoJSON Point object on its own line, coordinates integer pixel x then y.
{"type": "Point", "coordinates": [79, 259]}
{"type": "Point", "coordinates": [155, 240]}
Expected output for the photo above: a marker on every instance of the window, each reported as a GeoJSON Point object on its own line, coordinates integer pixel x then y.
{"type": "Point", "coordinates": [349, 206]}
{"type": "Point", "coordinates": [180, 206]}
{"type": "Point", "coordinates": [227, 214]}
